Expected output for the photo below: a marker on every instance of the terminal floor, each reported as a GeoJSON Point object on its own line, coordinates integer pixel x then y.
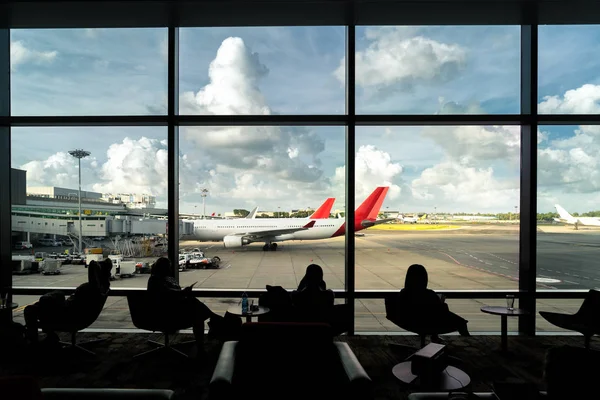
{"type": "Point", "coordinates": [113, 367]}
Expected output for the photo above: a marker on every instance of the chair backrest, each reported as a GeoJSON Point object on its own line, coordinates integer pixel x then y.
{"type": "Point", "coordinates": [80, 317]}
{"type": "Point", "coordinates": [590, 308]}
{"type": "Point", "coordinates": [146, 313]}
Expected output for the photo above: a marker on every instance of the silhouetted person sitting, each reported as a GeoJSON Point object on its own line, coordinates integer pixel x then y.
{"type": "Point", "coordinates": [423, 309]}
{"type": "Point", "coordinates": [312, 299]}
{"type": "Point", "coordinates": [53, 308]}
{"type": "Point", "coordinates": [177, 301]}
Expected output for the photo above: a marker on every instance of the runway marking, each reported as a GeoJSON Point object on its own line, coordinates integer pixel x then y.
{"type": "Point", "coordinates": [574, 283]}
{"type": "Point", "coordinates": [492, 272]}
{"type": "Point", "coordinates": [501, 266]}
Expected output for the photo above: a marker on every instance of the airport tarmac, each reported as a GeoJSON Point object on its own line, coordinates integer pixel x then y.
{"type": "Point", "coordinates": [472, 257]}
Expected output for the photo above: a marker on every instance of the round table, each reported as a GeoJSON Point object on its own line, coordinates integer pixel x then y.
{"type": "Point", "coordinates": [451, 378]}
{"type": "Point", "coordinates": [504, 313]}
{"type": "Point", "coordinates": [237, 311]}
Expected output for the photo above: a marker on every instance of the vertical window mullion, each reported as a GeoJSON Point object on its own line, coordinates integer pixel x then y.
{"type": "Point", "coordinates": [528, 192]}
{"type": "Point", "coordinates": [350, 283]}
{"type": "Point", "coordinates": [173, 148]}
{"type": "Point", "coordinates": [5, 195]}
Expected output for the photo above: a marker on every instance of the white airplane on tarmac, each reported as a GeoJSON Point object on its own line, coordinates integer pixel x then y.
{"type": "Point", "coordinates": [567, 218]}
{"type": "Point", "coordinates": [240, 232]}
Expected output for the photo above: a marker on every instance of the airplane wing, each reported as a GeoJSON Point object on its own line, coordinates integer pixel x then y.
{"type": "Point", "coordinates": [273, 232]}
{"type": "Point", "coordinates": [367, 222]}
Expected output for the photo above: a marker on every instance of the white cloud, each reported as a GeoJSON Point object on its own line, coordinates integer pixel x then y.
{"type": "Point", "coordinates": [20, 54]}
{"type": "Point", "coordinates": [233, 89]}
{"type": "Point", "coordinates": [393, 57]}
{"type": "Point", "coordinates": [60, 169]}
{"type": "Point", "coordinates": [583, 100]}
{"type": "Point", "coordinates": [131, 166]}
{"type": "Point", "coordinates": [135, 166]}
{"type": "Point", "coordinates": [374, 167]}
{"type": "Point", "coordinates": [452, 184]}
{"type": "Point", "coordinates": [475, 144]}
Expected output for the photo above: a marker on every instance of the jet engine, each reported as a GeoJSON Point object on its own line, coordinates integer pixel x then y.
{"type": "Point", "coordinates": [234, 241]}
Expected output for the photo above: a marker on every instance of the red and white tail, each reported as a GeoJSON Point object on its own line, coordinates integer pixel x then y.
{"type": "Point", "coordinates": [324, 211]}
{"type": "Point", "coordinates": [369, 209]}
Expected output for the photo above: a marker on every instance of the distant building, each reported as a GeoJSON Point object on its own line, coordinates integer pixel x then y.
{"type": "Point", "coordinates": [131, 200]}
{"type": "Point", "coordinates": [61, 193]}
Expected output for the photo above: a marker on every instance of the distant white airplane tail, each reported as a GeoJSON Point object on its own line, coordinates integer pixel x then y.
{"type": "Point", "coordinates": [564, 215]}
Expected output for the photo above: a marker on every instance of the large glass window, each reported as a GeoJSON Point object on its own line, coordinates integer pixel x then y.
{"type": "Point", "coordinates": [569, 82]}
{"type": "Point", "coordinates": [437, 70]}
{"type": "Point", "coordinates": [246, 193]}
{"type": "Point", "coordinates": [449, 203]}
{"type": "Point", "coordinates": [568, 224]}
{"type": "Point", "coordinates": [262, 71]}
{"type": "Point", "coordinates": [123, 203]}
{"type": "Point", "coordinates": [88, 71]}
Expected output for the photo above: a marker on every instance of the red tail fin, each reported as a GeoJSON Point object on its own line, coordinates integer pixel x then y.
{"type": "Point", "coordinates": [375, 210]}
{"type": "Point", "coordinates": [369, 205]}
{"type": "Point", "coordinates": [324, 211]}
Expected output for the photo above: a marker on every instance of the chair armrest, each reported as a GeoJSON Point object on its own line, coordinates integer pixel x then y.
{"type": "Point", "coordinates": [220, 384]}
{"type": "Point", "coordinates": [360, 384]}
{"type": "Point", "coordinates": [112, 394]}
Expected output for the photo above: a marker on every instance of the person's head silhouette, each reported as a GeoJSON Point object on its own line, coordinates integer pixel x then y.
{"type": "Point", "coordinates": [313, 278]}
{"type": "Point", "coordinates": [416, 277]}
{"type": "Point", "coordinates": [161, 268]}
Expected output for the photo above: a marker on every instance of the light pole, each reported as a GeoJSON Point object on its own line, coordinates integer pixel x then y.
{"type": "Point", "coordinates": [79, 154]}
{"type": "Point", "coordinates": [204, 193]}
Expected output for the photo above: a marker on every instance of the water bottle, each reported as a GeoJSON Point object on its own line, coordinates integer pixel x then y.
{"type": "Point", "coordinates": [244, 303]}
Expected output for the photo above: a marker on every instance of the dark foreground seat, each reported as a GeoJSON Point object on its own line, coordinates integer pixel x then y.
{"type": "Point", "coordinates": [283, 309]}
{"type": "Point", "coordinates": [27, 388]}
{"type": "Point", "coordinates": [147, 315]}
{"type": "Point", "coordinates": [585, 321]}
{"type": "Point", "coordinates": [74, 325]}
{"type": "Point", "coordinates": [288, 361]}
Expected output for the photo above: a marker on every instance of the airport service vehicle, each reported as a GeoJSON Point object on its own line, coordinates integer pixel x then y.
{"type": "Point", "coordinates": [23, 245]}
{"type": "Point", "coordinates": [127, 268]}
{"type": "Point", "coordinates": [49, 242]}
{"type": "Point", "coordinates": [198, 261]}
{"type": "Point", "coordinates": [142, 268]}
{"type": "Point", "coordinates": [241, 232]}
{"type": "Point", "coordinates": [50, 266]}
{"type": "Point", "coordinates": [567, 218]}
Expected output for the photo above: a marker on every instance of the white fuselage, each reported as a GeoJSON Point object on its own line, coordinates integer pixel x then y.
{"type": "Point", "coordinates": [587, 221]}
{"type": "Point", "coordinates": [216, 230]}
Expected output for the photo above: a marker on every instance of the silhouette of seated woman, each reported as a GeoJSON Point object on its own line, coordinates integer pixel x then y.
{"type": "Point", "coordinates": [421, 310]}
{"type": "Point", "coordinates": [312, 299]}
{"type": "Point", "coordinates": [179, 303]}
{"type": "Point", "coordinates": [53, 308]}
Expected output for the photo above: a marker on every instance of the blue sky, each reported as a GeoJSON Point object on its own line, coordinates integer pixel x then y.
{"type": "Point", "coordinates": [299, 70]}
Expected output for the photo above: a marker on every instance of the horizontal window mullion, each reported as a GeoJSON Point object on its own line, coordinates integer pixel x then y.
{"type": "Point", "coordinates": [429, 119]}
{"type": "Point", "coordinates": [101, 120]}
{"type": "Point", "coordinates": [569, 119]}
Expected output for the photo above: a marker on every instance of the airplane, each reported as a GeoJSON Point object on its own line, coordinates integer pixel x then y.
{"type": "Point", "coordinates": [241, 232]}
{"type": "Point", "coordinates": [567, 218]}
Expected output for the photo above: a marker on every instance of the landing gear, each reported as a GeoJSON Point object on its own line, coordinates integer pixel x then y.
{"type": "Point", "coordinates": [270, 246]}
